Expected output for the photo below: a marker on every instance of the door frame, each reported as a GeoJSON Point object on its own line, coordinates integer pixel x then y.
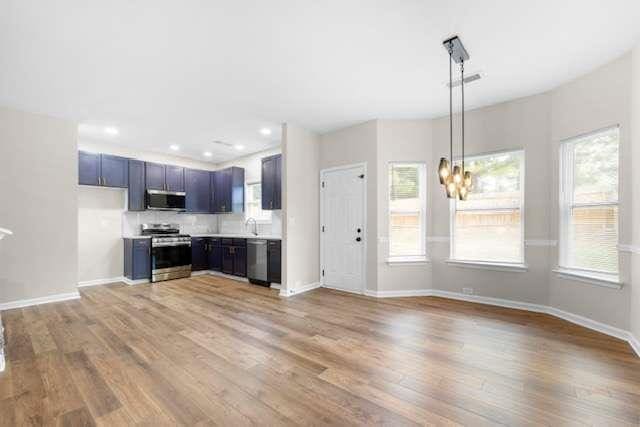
{"type": "Point", "coordinates": [363, 165]}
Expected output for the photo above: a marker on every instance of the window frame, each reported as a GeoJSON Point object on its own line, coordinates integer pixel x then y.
{"type": "Point", "coordinates": [246, 205]}
{"type": "Point", "coordinates": [509, 265]}
{"type": "Point", "coordinates": [566, 204]}
{"type": "Point", "coordinates": [423, 196]}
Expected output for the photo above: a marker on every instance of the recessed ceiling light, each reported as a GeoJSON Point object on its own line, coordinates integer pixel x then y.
{"type": "Point", "coordinates": [239, 147]}
{"type": "Point", "coordinates": [110, 130]}
{"type": "Point", "coordinates": [208, 154]}
{"type": "Point", "coordinates": [174, 147]}
{"type": "Point", "coordinates": [265, 131]}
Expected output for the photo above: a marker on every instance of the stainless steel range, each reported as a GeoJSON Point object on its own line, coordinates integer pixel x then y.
{"type": "Point", "coordinates": [170, 251]}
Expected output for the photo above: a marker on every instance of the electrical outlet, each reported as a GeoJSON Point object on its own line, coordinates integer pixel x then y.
{"type": "Point", "coordinates": [467, 291]}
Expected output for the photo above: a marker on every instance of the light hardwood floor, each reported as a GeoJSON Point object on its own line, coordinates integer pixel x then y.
{"type": "Point", "coordinates": [209, 351]}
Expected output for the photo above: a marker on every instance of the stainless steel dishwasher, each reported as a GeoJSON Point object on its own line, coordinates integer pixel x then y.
{"type": "Point", "coordinates": [257, 261]}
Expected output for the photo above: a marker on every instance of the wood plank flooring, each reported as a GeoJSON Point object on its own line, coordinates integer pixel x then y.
{"type": "Point", "coordinates": [210, 351]}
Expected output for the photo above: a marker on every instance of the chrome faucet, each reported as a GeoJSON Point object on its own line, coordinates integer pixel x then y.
{"type": "Point", "coordinates": [255, 225]}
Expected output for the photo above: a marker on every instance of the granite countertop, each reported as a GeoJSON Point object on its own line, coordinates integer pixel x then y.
{"type": "Point", "coordinates": [221, 235]}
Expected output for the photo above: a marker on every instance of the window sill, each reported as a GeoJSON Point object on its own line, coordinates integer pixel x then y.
{"type": "Point", "coordinates": [607, 281]}
{"type": "Point", "coordinates": [408, 260]}
{"type": "Point", "coordinates": [495, 266]}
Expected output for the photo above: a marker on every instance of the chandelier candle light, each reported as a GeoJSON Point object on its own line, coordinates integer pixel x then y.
{"type": "Point", "coordinates": [457, 183]}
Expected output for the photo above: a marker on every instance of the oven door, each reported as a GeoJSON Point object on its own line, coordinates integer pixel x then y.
{"type": "Point", "coordinates": [166, 200]}
{"type": "Point", "coordinates": [171, 258]}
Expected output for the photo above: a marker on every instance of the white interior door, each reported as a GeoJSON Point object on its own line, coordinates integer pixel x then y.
{"type": "Point", "coordinates": [343, 228]}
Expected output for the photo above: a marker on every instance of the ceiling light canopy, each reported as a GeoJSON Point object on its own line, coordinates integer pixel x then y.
{"type": "Point", "coordinates": [207, 154]}
{"type": "Point", "coordinates": [174, 147]}
{"type": "Point", "coordinates": [239, 147]}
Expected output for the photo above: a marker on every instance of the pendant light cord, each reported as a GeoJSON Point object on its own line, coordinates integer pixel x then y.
{"type": "Point", "coordinates": [451, 104]}
{"type": "Point", "coordinates": [462, 89]}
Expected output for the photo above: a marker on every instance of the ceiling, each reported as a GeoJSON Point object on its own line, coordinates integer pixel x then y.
{"type": "Point", "coordinates": [194, 71]}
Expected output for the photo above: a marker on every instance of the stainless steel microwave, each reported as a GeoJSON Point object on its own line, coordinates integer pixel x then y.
{"type": "Point", "coordinates": [166, 200]}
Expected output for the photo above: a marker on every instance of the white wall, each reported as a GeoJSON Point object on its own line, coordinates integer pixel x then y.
{"type": "Point", "coordinates": [600, 99]}
{"type": "Point", "coordinates": [401, 140]}
{"type": "Point", "coordinates": [39, 204]}
{"type": "Point", "coordinates": [301, 208]}
{"type": "Point", "coordinates": [634, 317]}
{"type": "Point", "coordinates": [358, 144]}
{"type": "Point", "coordinates": [100, 246]}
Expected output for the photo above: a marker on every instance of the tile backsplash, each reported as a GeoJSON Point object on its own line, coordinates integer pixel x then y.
{"type": "Point", "coordinates": [198, 223]}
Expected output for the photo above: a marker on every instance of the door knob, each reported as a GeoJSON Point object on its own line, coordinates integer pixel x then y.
{"type": "Point", "coordinates": [358, 239]}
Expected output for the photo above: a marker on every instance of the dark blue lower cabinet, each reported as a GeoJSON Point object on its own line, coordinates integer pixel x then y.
{"type": "Point", "coordinates": [137, 259]}
{"type": "Point", "coordinates": [199, 255]}
{"type": "Point", "coordinates": [240, 261]}
{"type": "Point", "coordinates": [215, 254]}
{"type": "Point", "coordinates": [274, 261]}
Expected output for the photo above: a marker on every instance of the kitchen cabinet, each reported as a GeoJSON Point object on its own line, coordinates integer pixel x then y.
{"type": "Point", "coordinates": [199, 255]}
{"type": "Point", "coordinates": [274, 261]}
{"type": "Point", "coordinates": [102, 170]}
{"type": "Point", "coordinates": [174, 178]}
{"type": "Point", "coordinates": [215, 254]}
{"type": "Point", "coordinates": [155, 176]}
{"type": "Point", "coordinates": [164, 177]}
{"type": "Point", "coordinates": [271, 180]}
{"type": "Point", "coordinates": [137, 259]}
{"type": "Point", "coordinates": [136, 185]}
{"type": "Point", "coordinates": [234, 257]}
{"type": "Point", "coordinates": [197, 186]}
{"type": "Point", "coordinates": [227, 187]}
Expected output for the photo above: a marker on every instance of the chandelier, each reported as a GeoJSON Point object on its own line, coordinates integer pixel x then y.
{"type": "Point", "coordinates": [456, 182]}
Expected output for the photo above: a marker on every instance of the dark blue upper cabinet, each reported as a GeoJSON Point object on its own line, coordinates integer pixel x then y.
{"type": "Point", "coordinates": [271, 182]}
{"type": "Point", "coordinates": [114, 171]}
{"type": "Point", "coordinates": [197, 186]}
{"type": "Point", "coordinates": [102, 170]}
{"type": "Point", "coordinates": [228, 190]}
{"type": "Point", "coordinates": [136, 185]}
{"type": "Point", "coordinates": [88, 168]}
{"type": "Point", "coordinates": [174, 178]}
{"type": "Point", "coordinates": [155, 176]}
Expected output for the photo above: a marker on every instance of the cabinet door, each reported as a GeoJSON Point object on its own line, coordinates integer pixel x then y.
{"type": "Point", "coordinates": [155, 176]}
{"type": "Point", "coordinates": [220, 197]}
{"type": "Point", "coordinates": [268, 181]}
{"type": "Point", "coordinates": [88, 168]}
{"type": "Point", "coordinates": [240, 261]}
{"type": "Point", "coordinates": [114, 171]}
{"type": "Point", "coordinates": [277, 184]}
{"type": "Point", "coordinates": [141, 259]}
{"type": "Point", "coordinates": [199, 255]}
{"type": "Point", "coordinates": [274, 262]}
{"type": "Point", "coordinates": [136, 185]}
{"type": "Point", "coordinates": [215, 255]}
{"type": "Point", "coordinates": [174, 178]}
{"type": "Point", "coordinates": [227, 259]}
{"type": "Point", "coordinates": [236, 189]}
{"type": "Point", "coordinates": [198, 191]}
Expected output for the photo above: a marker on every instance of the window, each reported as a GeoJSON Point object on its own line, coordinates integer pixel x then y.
{"type": "Point", "coordinates": [488, 226]}
{"type": "Point", "coordinates": [407, 211]}
{"type": "Point", "coordinates": [254, 203]}
{"type": "Point", "coordinates": [589, 203]}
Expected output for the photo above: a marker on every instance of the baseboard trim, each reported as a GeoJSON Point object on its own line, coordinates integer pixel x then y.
{"type": "Point", "coordinates": [97, 282]}
{"type": "Point", "coordinates": [536, 308]}
{"type": "Point", "coordinates": [37, 301]}
{"type": "Point", "coordinates": [399, 294]}
{"type": "Point", "coordinates": [306, 288]}
{"type": "Point", "coordinates": [135, 282]}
